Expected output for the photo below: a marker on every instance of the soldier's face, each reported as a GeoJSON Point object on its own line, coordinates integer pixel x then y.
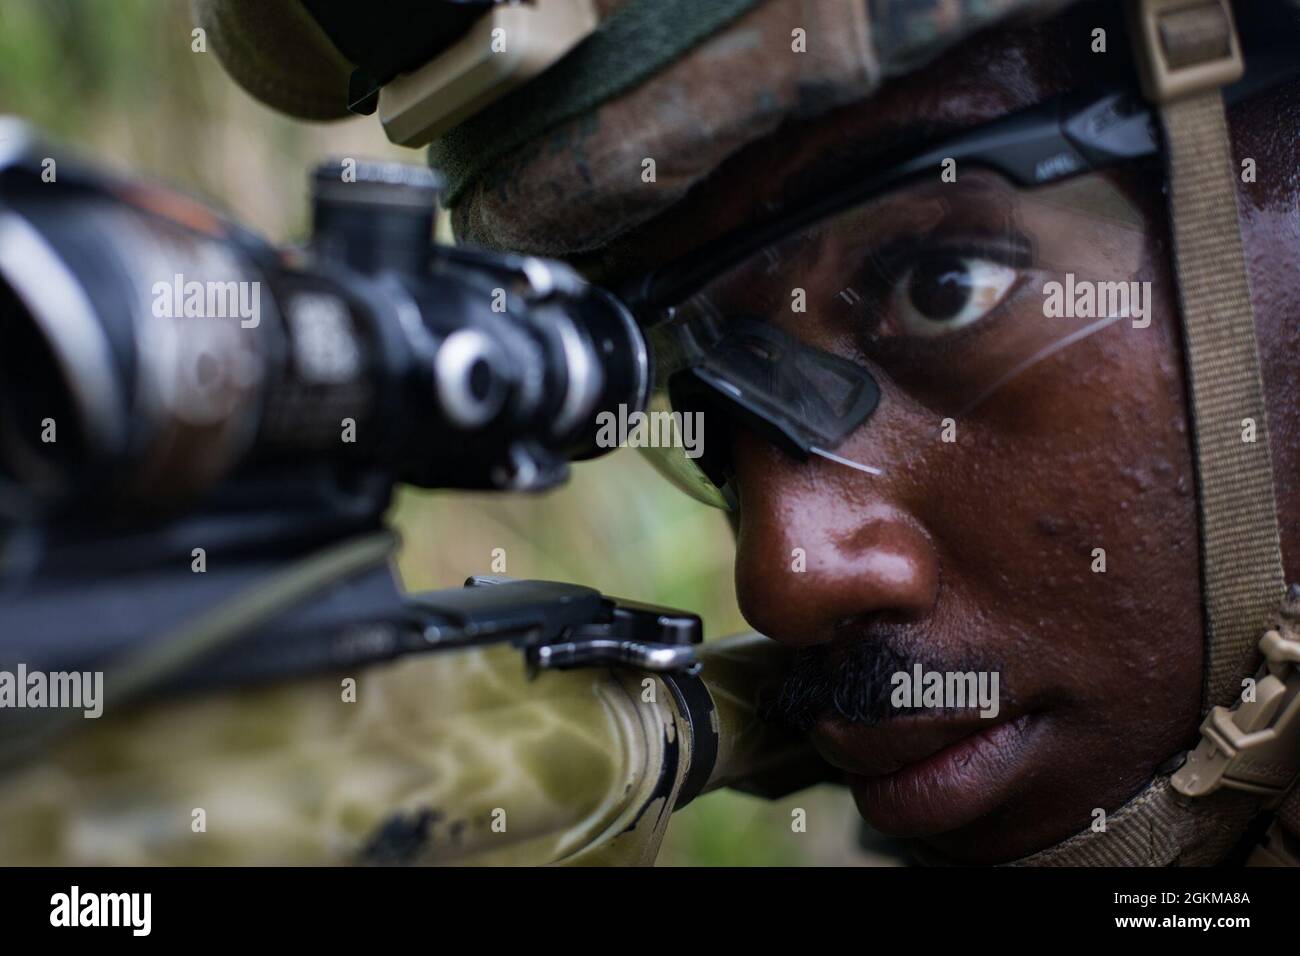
{"type": "Point", "coordinates": [1033, 525]}
{"type": "Point", "coordinates": [1049, 540]}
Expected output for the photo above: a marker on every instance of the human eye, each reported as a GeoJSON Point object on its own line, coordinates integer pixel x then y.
{"type": "Point", "coordinates": [937, 291]}
{"type": "Point", "coordinates": [942, 294]}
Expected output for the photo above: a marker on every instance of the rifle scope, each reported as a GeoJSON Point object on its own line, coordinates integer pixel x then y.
{"type": "Point", "coordinates": [149, 347]}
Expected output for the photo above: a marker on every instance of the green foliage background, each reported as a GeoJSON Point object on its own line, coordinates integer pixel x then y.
{"type": "Point", "coordinates": [118, 80]}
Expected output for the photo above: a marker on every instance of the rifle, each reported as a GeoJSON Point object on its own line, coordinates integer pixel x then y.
{"type": "Point", "coordinates": [216, 402]}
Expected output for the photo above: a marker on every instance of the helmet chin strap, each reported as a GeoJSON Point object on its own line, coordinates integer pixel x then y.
{"type": "Point", "coordinates": [1247, 760]}
{"type": "Point", "coordinates": [1244, 765]}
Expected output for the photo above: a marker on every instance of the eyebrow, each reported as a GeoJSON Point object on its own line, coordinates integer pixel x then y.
{"type": "Point", "coordinates": [839, 165]}
{"type": "Point", "coordinates": [1054, 139]}
{"type": "Point", "coordinates": [846, 161]}
{"type": "Point", "coordinates": [843, 165]}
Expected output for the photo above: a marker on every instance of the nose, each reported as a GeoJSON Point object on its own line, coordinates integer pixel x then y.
{"type": "Point", "coordinates": [820, 544]}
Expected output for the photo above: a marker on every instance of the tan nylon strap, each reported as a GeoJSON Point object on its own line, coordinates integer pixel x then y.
{"type": "Point", "coordinates": [1289, 813]}
{"type": "Point", "coordinates": [1241, 561]}
{"type": "Point", "coordinates": [1281, 845]}
{"type": "Point", "coordinates": [1240, 554]}
{"type": "Point", "coordinates": [1158, 827]}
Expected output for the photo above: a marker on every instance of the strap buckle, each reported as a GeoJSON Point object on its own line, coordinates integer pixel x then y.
{"type": "Point", "coordinates": [1184, 47]}
{"type": "Point", "coordinates": [1255, 745]}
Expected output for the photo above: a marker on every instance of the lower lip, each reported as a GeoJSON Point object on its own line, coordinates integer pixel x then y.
{"type": "Point", "coordinates": [951, 788]}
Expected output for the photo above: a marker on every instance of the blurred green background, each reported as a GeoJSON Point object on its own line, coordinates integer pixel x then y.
{"type": "Point", "coordinates": [118, 80]}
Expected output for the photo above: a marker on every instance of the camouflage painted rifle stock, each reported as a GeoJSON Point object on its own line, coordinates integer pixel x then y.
{"type": "Point", "coordinates": [453, 757]}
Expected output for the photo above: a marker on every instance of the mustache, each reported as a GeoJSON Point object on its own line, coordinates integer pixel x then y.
{"type": "Point", "coordinates": [853, 680]}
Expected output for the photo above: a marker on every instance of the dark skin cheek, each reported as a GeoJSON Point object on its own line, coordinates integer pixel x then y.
{"type": "Point", "coordinates": [987, 545]}
{"type": "Point", "coordinates": [1084, 458]}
